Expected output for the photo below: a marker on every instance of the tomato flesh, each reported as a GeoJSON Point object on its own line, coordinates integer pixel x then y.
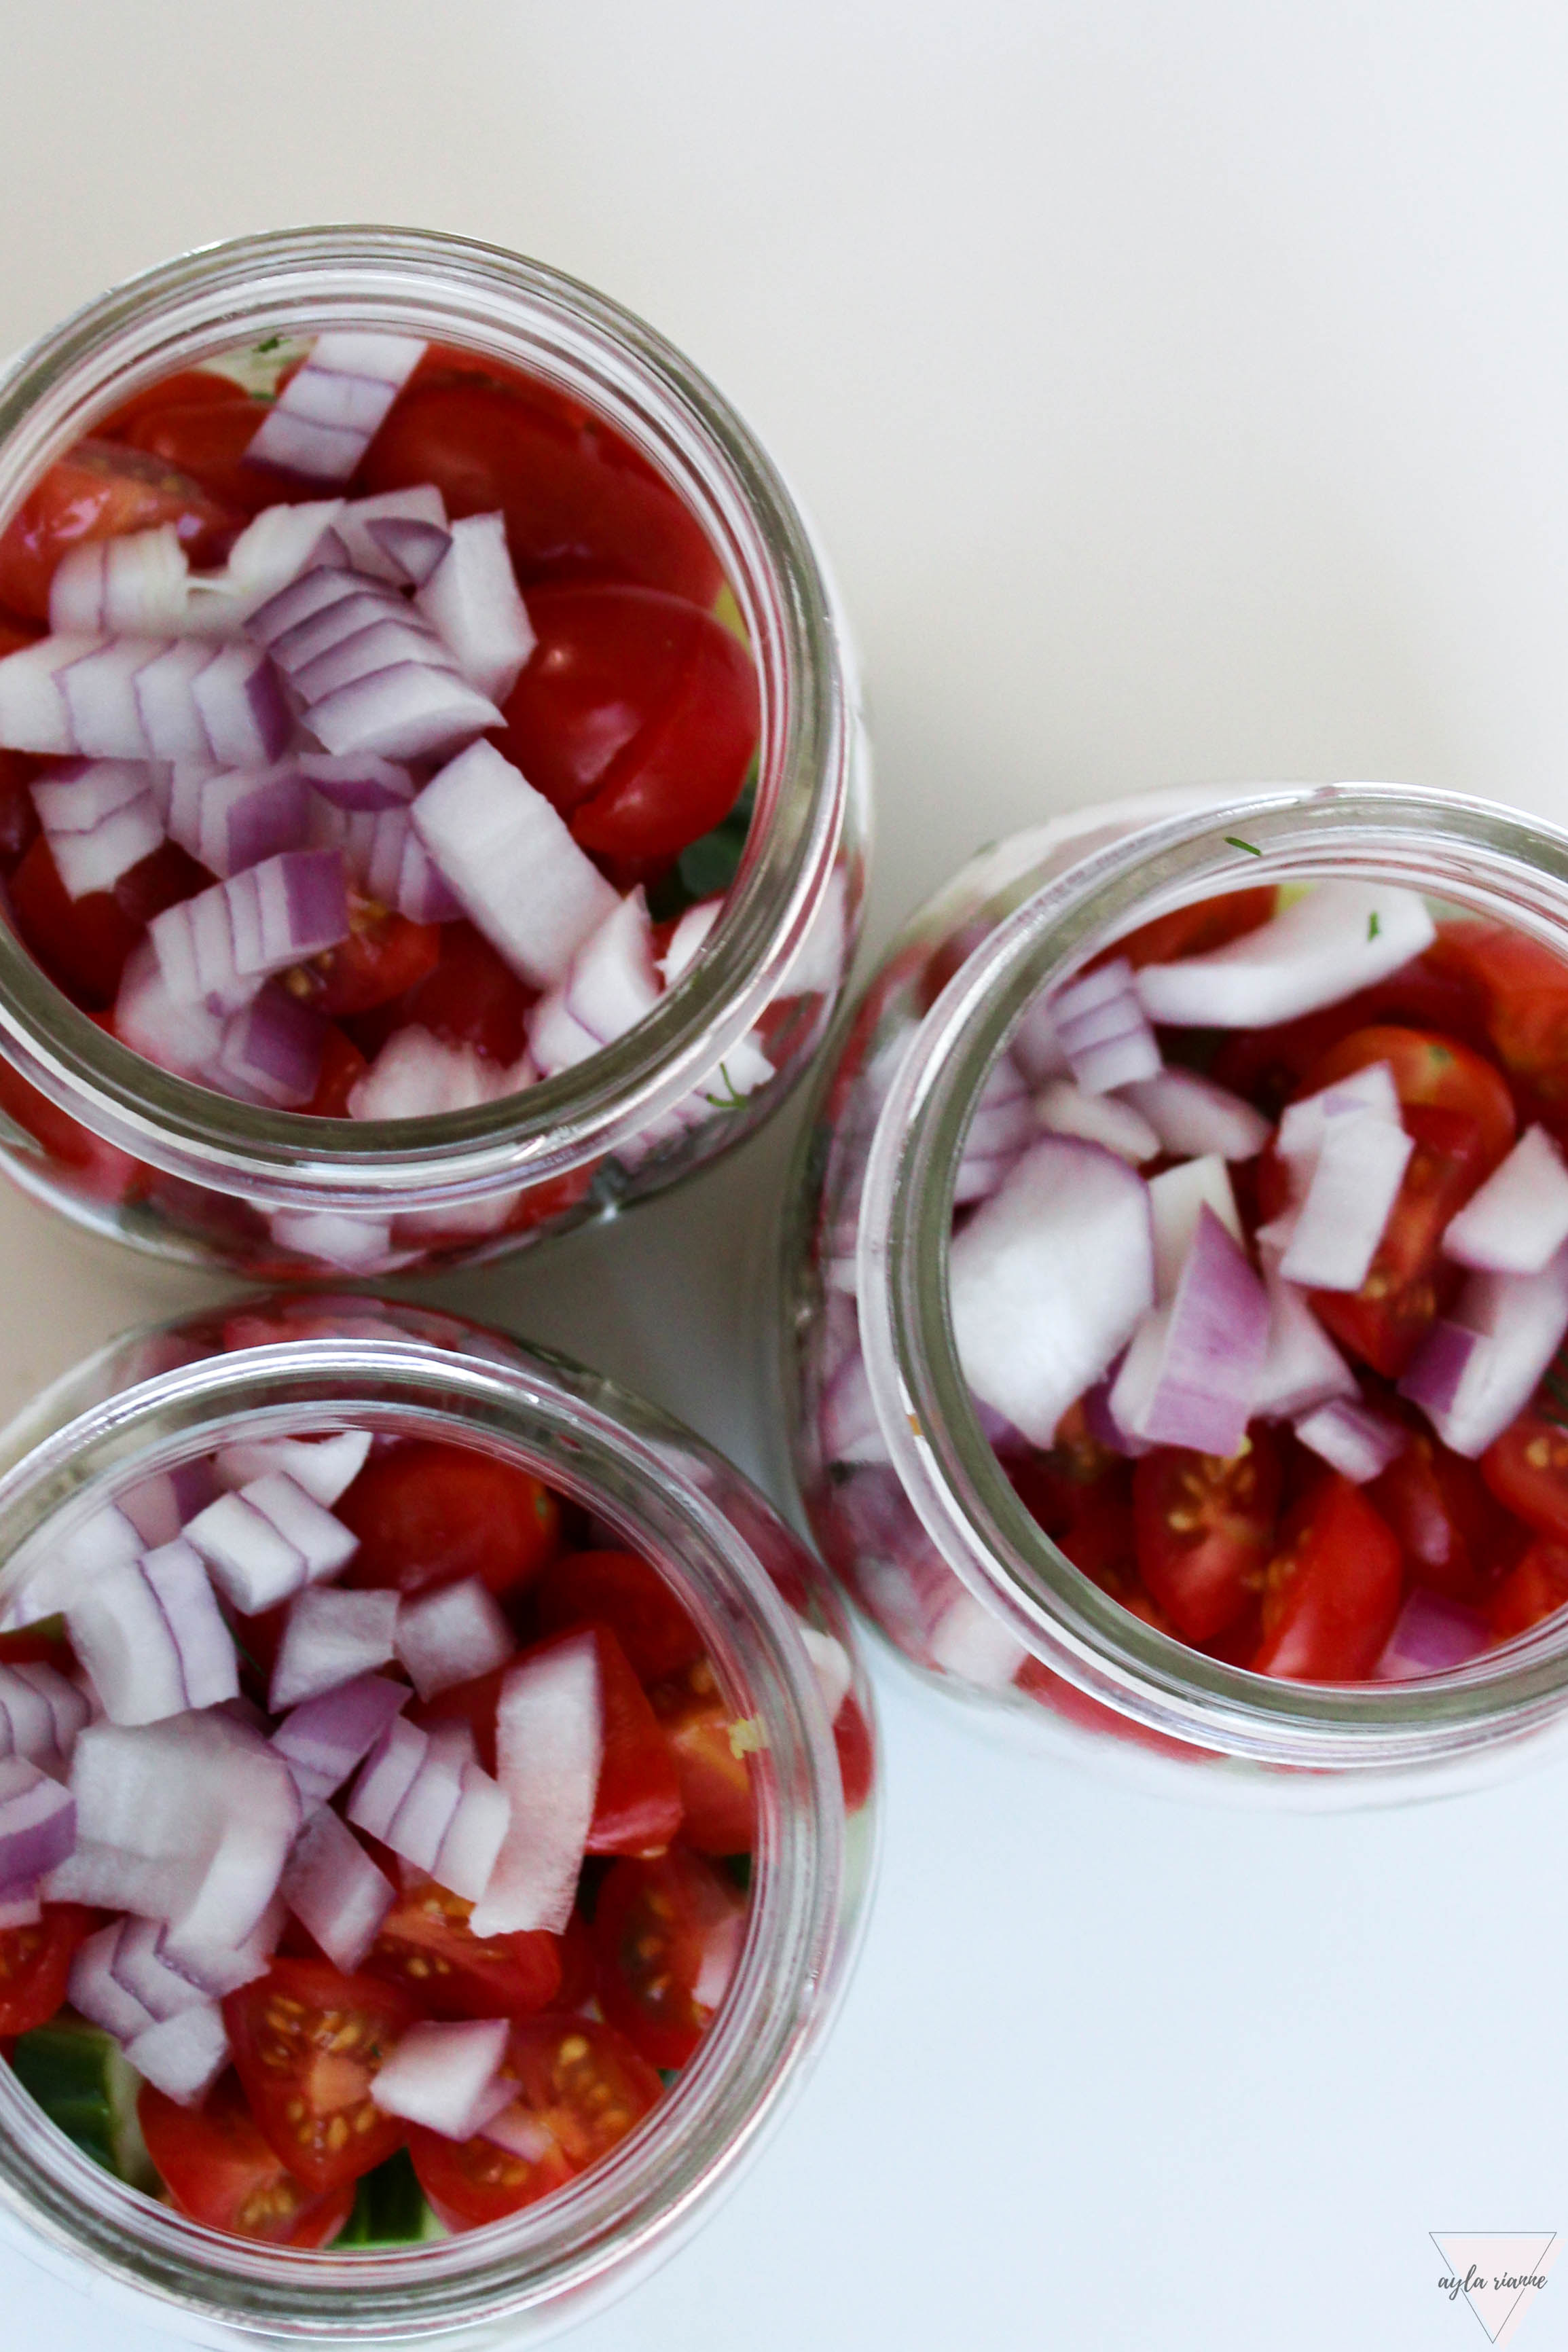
{"type": "Point", "coordinates": [428, 1949]}
{"type": "Point", "coordinates": [221, 2171]}
{"type": "Point", "coordinates": [667, 1934]}
{"type": "Point", "coordinates": [35, 1964]}
{"type": "Point", "coordinates": [618, 1588]}
{"type": "Point", "coordinates": [1537, 1589]}
{"type": "Point", "coordinates": [1205, 1531]}
{"type": "Point", "coordinates": [306, 2043]}
{"type": "Point", "coordinates": [1332, 1593]}
{"type": "Point", "coordinates": [100, 490]}
{"type": "Point", "coordinates": [713, 1768]}
{"type": "Point", "coordinates": [429, 1513]}
{"type": "Point", "coordinates": [1527, 1469]}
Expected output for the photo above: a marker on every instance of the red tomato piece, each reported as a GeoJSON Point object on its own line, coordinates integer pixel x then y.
{"type": "Point", "coordinates": [308, 2041]}
{"type": "Point", "coordinates": [428, 1948]}
{"type": "Point", "coordinates": [1064, 1698]}
{"type": "Point", "coordinates": [711, 1766]}
{"type": "Point", "coordinates": [1430, 1072]}
{"type": "Point", "coordinates": [1410, 1282]}
{"type": "Point", "coordinates": [40, 1645]}
{"type": "Point", "coordinates": [1332, 1593]}
{"type": "Point", "coordinates": [637, 1806]}
{"type": "Point", "coordinates": [579, 503]}
{"type": "Point", "coordinates": [857, 1758]}
{"type": "Point", "coordinates": [35, 1963]}
{"type": "Point", "coordinates": [98, 1169]}
{"type": "Point", "coordinates": [1193, 930]}
{"type": "Point", "coordinates": [186, 388]}
{"type": "Point", "coordinates": [219, 2170]}
{"type": "Point", "coordinates": [383, 956]}
{"type": "Point", "coordinates": [1537, 1589]}
{"type": "Point", "coordinates": [637, 715]}
{"type": "Point", "coordinates": [538, 1204]}
{"type": "Point", "coordinates": [1454, 1537]}
{"type": "Point", "coordinates": [620, 1590]}
{"type": "Point", "coordinates": [1527, 1469]}
{"type": "Point", "coordinates": [342, 1067]}
{"type": "Point", "coordinates": [100, 490]}
{"type": "Point", "coordinates": [207, 439]}
{"type": "Point", "coordinates": [82, 943]}
{"type": "Point", "coordinates": [427, 1513]}
{"type": "Point", "coordinates": [1524, 988]}
{"type": "Point", "coordinates": [1205, 1531]}
{"type": "Point", "coordinates": [666, 1935]}
{"type": "Point", "coordinates": [470, 997]}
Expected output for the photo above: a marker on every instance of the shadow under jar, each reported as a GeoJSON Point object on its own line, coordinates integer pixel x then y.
{"type": "Point", "coordinates": [706, 1026]}
{"type": "Point", "coordinates": [127, 1427]}
{"type": "Point", "coordinates": [954, 1528]}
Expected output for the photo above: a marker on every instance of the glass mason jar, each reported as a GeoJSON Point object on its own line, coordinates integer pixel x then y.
{"type": "Point", "coordinates": [906, 1498]}
{"type": "Point", "coordinates": [176, 1169]}
{"type": "Point", "coordinates": [272, 1367]}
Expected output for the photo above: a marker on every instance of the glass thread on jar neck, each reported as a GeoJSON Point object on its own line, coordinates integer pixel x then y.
{"type": "Point", "coordinates": [1472, 853]}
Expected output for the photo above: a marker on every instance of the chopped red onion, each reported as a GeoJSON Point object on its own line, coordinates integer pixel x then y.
{"type": "Point", "coordinates": [550, 1743]}
{"type": "Point", "coordinates": [1062, 1107]}
{"type": "Point", "coordinates": [324, 1543]}
{"type": "Point", "coordinates": [452, 1634]}
{"type": "Point", "coordinates": [322, 1741]}
{"type": "Point", "coordinates": [1518, 1322]}
{"type": "Point", "coordinates": [1518, 1220]}
{"type": "Point", "coordinates": [336, 1890]}
{"type": "Point", "coordinates": [206, 1646]}
{"type": "Point", "coordinates": [830, 1665]}
{"type": "Point", "coordinates": [1177, 1198]}
{"type": "Point", "coordinates": [1348, 1203]}
{"type": "Point", "coordinates": [325, 1466]}
{"type": "Point", "coordinates": [411, 710]}
{"type": "Point", "coordinates": [33, 712]}
{"type": "Point", "coordinates": [134, 586]}
{"type": "Point", "coordinates": [416, 1076]}
{"type": "Point", "coordinates": [184, 2056]}
{"type": "Point", "coordinates": [1318, 950]}
{"type": "Point", "coordinates": [169, 716]}
{"type": "Point", "coordinates": [471, 599]}
{"type": "Point", "coordinates": [353, 606]}
{"type": "Point", "coordinates": [364, 525]}
{"type": "Point", "coordinates": [521, 879]}
{"type": "Point", "coordinates": [472, 1846]}
{"type": "Point", "coordinates": [138, 1968]}
{"type": "Point", "coordinates": [77, 797]}
{"type": "Point", "coordinates": [382, 644]}
{"type": "Point", "coordinates": [1103, 1029]}
{"type": "Point", "coordinates": [194, 943]}
{"type": "Point", "coordinates": [1431, 1635]}
{"type": "Point", "coordinates": [270, 1051]}
{"type": "Point", "coordinates": [391, 1771]}
{"type": "Point", "coordinates": [687, 940]}
{"type": "Point", "coordinates": [848, 1427]}
{"type": "Point", "coordinates": [158, 1506]}
{"type": "Point", "coordinates": [332, 1638]}
{"type": "Point", "coordinates": [119, 1631]}
{"type": "Point", "coordinates": [327, 415]}
{"type": "Point", "coordinates": [429, 1807]}
{"type": "Point", "coordinates": [37, 1824]}
{"type": "Point", "coordinates": [337, 1237]}
{"type": "Point", "coordinates": [970, 1641]}
{"type": "Point", "coordinates": [1049, 1279]}
{"type": "Point", "coordinates": [102, 1540]}
{"type": "Point", "coordinates": [287, 909]}
{"type": "Point", "coordinates": [447, 2076]}
{"type": "Point", "coordinates": [100, 822]}
{"type": "Point", "coordinates": [390, 861]}
{"type": "Point", "coordinates": [320, 589]}
{"type": "Point", "coordinates": [219, 1965]}
{"type": "Point", "coordinates": [242, 707]}
{"type": "Point", "coordinates": [1301, 1367]}
{"type": "Point", "coordinates": [1189, 1375]}
{"type": "Point", "coordinates": [1191, 1116]}
{"type": "Point", "coordinates": [520, 2132]}
{"type": "Point", "coordinates": [1001, 1125]}
{"type": "Point", "coordinates": [411, 549]}
{"type": "Point", "coordinates": [275, 547]}
{"type": "Point", "coordinates": [1305, 1125]}
{"type": "Point", "coordinates": [259, 1820]}
{"type": "Point", "coordinates": [237, 818]}
{"type": "Point", "coordinates": [362, 784]}
{"type": "Point", "coordinates": [1035, 1046]}
{"type": "Point", "coordinates": [179, 1035]}
{"type": "Point", "coordinates": [610, 986]}
{"type": "Point", "coordinates": [1360, 1445]}
{"type": "Point", "coordinates": [41, 1714]}
{"type": "Point", "coordinates": [253, 1566]}
{"type": "Point", "coordinates": [97, 1993]}
{"type": "Point", "coordinates": [23, 1908]}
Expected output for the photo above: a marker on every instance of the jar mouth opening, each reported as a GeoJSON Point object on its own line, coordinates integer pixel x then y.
{"type": "Point", "coordinates": [504, 306]}
{"type": "Point", "coordinates": [1471, 853]}
{"type": "Point", "coordinates": [554, 1419]}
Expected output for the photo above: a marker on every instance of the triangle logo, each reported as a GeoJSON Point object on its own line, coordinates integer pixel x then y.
{"type": "Point", "coordinates": [1499, 2273]}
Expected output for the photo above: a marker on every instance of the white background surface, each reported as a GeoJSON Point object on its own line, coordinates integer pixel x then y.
{"type": "Point", "coordinates": [1181, 391]}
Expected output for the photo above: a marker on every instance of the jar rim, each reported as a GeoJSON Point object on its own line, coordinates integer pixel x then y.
{"type": "Point", "coordinates": [800, 1942]}
{"type": "Point", "coordinates": [1473, 852]}
{"type": "Point", "coordinates": [463, 291]}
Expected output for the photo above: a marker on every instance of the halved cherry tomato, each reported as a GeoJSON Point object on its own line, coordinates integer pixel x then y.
{"type": "Point", "coordinates": [857, 1759]}
{"type": "Point", "coordinates": [1205, 1530]}
{"type": "Point", "coordinates": [82, 943]}
{"type": "Point", "coordinates": [712, 1765]}
{"type": "Point", "coordinates": [666, 1935]}
{"type": "Point", "coordinates": [1268, 1065]}
{"type": "Point", "coordinates": [538, 1204]}
{"type": "Point", "coordinates": [428, 1948]}
{"type": "Point", "coordinates": [1525, 990]}
{"type": "Point", "coordinates": [1332, 1593]}
{"type": "Point", "coordinates": [308, 2041]}
{"type": "Point", "coordinates": [35, 1963]}
{"type": "Point", "coordinates": [186, 388]}
{"type": "Point", "coordinates": [1527, 1469]}
{"type": "Point", "coordinates": [1064, 1698]}
{"type": "Point", "coordinates": [208, 438]}
{"type": "Point", "coordinates": [220, 2171]}
{"type": "Point", "coordinates": [469, 998]}
{"type": "Point", "coordinates": [383, 956]}
{"type": "Point", "coordinates": [427, 1513]}
{"type": "Point", "coordinates": [1193, 930]}
{"type": "Point", "coordinates": [1454, 1537]}
{"type": "Point", "coordinates": [101, 490]}
{"type": "Point", "coordinates": [621, 1590]}
{"type": "Point", "coordinates": [579, 503]}
{"type": "Point", "coordinates": [342, 1067]}
{"type": "Point", "coordinates": [1535, 1590]}
{"type": "Point", "coordinates": [637, 1806]}
{"type": "Point", "coordinates": [1429, 1071]}
{"type": "Point", "coordinates": [636, 714]}
{"type": "Point", "coordinates": [580, 2089]}
{"type": "Point", "coordinates": [99, 1168]}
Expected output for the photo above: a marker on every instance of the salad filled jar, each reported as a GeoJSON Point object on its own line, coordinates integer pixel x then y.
{"type": "Point", "coordinates": [433, 791]}
{"type": "Point", "coordinates": [1176, 1290]}
{"type": "Point", "coordinates": [435, 1820]}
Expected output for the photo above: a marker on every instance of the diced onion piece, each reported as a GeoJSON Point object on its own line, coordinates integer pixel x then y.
{"type": "Point", "coordinates": [327, 415]}
{"type": "Point", "coordinates": [325, 589]}
{"type": "Point", "coordinates": [1432, 1635]}
{"type": "Point", "coordinates": [1476, 1374]}
{"type": "Point", "coordinates": [1177, 1198]}
{"type": "Point", "coordinates": [119, 1632]}
{"type": "Point", "coordinates": [183, 2056]}
{"type": "Point", "coordinates": [137, 585]}
{"type": "Point", "coordinates": [101, 819]}
{"type": "Point", "coordinates": [180, 1035]}
{"type": "Point", "coordinates": [102, 1540]}
{"type": "Point", "coordinates": [471, 599]}
{"type": "Point", "coordinates": [270, 1051]}
{"type": "Point", "coordinates": [253, 1566]}
{"type": "Point", "coordinates": [97, 1993]}
{"type": "Point", "coordinates": [325, 1466]}
{"type": "Point", "coordinates": [452, 1634]}
{"type": "Point", "coordinates": [1035, 1046]}
{"type": "Point", "coordinates": [1301, 1366]}
{"type": "Point", "coordinates": [337, 1237]}
{"type": "Point", "coordinates": [322, 1741]}
{"type": "Point", "coordinates": [1191, 1116]}
{"type": "Point", "coordinates": [471, 1848]}
{"type": "Point", "coordinates": [208, 1667]}
{"type": "Point", "coordinates": [1360, 1445]}
{"type": "Point", "coordinates": [1001, 1125]}
{"type": "Point", "coordinates": [411, 710]}
{"type": "Point", "coordinates": [41, 1714]}
{"type": "Point", "coordinates": [1049, 1279]}
{"type": "Point", "coordinates": [610, 986]}
{"type": "Point", "coordinates": [1102, 1029]}
{"type": "Point", "coordinates": [139, 1967]}
{"type": "Point", "coordinates": [550, 1743]}
{"type": "Point", "coordinates": [1338, 938]}
{"type": "Point", "coordinates": [100, 699]}
{"type": "Point", "coordinates": [687, 940]}
{"type": "Point", "coordinates": [390, 861]}
{"type": "Point", "coordinates": [830, 1665]}
{"type": "Point", "coordinates": [410, 550]}
{"type": "Point", "coordinates": [447, 2076]}
{"type": "Point", "coordinates": [194, 943]}
{"type": "Point", "coordinates": [1190, 1376]}
{"type": "Point", "coordinates": [241, 706]}
{"type": "Point", "coordinates": [1518, 1220]}
{"type": "Point", "coordinates": [37, 1824]}
{"type": "Point", "coordinates": [236, 817]}
{"type": "Point", "coordinates": [286, 909]}
{"type": "Point", "coordinates": [33, 712]}
{"type": "Point", "coordinates": [416, 1076]}
{"type": "Point", "coordinates": [512, 863]}
{"type": "Point", "coordinates": [221, 1966]}
{"type": "Point", "coordinates": [275, 547]}
{"type": "Point", "coordinates": [260, 1817]}
{"type": "Point", "coordinates": [971, 1641]}
{"type": "Point", "coordinates": [1348, 1203]}
{"type": "Point", "coordinates": [336, 1890]}
{"type": "Point", "coordinates": [324, 1543]}
{"type": "Point", "coordinates": [1305, 1125]}
{"type": "Point", "coordinates": [1062, 1107]}
{"type": "Point", "coordinates": [363, 522]}
{"type": "Point", "coordinates": [848, 1427]}
{"type": "Point", "coordinates": [158, 1506]}
{"type": "Point", "coordinates": [365, 782]}
{"type": "Point", "coordinates": [171, 720]}
{"type": "Point", "coordinates": [391, 1771]}
{"type": "Point", "coordinates": [332, 1638]}
{"type": "Point", "coordinates": [391, 638]}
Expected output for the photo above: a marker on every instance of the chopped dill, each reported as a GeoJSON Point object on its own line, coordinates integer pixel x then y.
{"type": "Point", "coordinates": [1233, 841]}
